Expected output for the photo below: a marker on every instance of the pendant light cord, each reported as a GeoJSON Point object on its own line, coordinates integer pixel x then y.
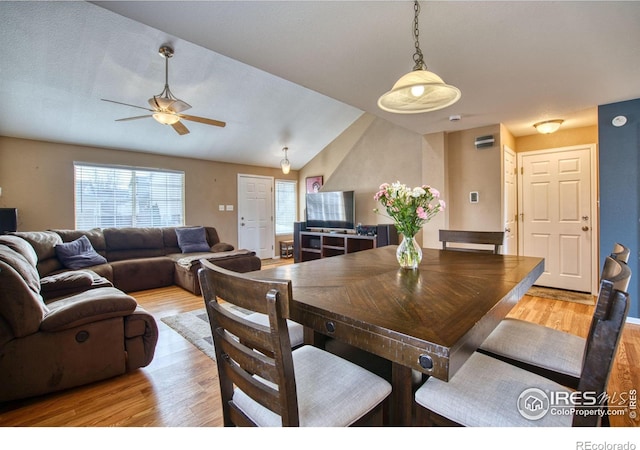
{"type": "Point", "coordinates": [417, 56]}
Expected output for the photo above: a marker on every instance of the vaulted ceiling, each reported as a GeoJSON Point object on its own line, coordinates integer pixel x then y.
{"type": "Point", "coordinates": [297, 73]}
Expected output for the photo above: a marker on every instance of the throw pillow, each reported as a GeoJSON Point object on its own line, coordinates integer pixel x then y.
{"type": "Point", "coordinates": [193, 239]}
{"type": "Point", "coordinates": [78, 254]}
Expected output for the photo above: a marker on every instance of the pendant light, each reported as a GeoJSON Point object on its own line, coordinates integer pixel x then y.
{"type": "Point", "coordinates": [285, 164]}
{"type": "Point", "coordinates": [419, 90]}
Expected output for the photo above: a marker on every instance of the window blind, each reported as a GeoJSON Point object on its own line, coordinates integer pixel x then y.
{"type": "Point", "coordinates": [121, 196]}
{"type": "Point", "coordinates": [286, 206]}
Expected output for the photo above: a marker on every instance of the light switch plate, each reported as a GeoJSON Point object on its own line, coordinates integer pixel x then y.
{"type": "Point", "coordinates": [220, 207]}
{"type": "Point", "coordinates": [473, 197]}
{"type": "Point", "coordinates": [229, 207]}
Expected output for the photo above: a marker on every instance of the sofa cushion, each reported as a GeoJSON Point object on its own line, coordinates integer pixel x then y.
{"type": "Point", "coordinates": [140, 274]}
{"type": "Point", "coordinates": [22, 266]}
{"type": "Point", "coordinates": [131, 242]}
{"type": "Point", "coordinates": [21, 246]}
{"type": "Point", "coordinates": [221, 247]}
{"type": "Point", "coordinates": [78, 254]}
{"type": "Point", "coordinates": [21, 309]}
{"type": "Point", "coordinates": [70, 282]}
{"type": "Point", "coordinates": [43, 242]}
{"type": "Point", "coordinates": [89, 306]}
{"type": "Point", "coordinates": [192, 239]}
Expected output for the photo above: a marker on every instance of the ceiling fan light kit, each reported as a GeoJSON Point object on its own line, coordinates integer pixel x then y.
{"type": "Point", "coordinates": [419, 90]}
{"type": "Point", "coordinates": [166, 107]}
{"type": "Point", "coordinates": [548, 126]}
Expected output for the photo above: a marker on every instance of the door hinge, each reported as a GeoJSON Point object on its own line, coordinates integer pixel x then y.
{"type": "Point", "coordinates": [521, 170]}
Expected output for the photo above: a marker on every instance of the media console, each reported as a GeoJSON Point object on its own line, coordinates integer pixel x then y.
{"type": "Point", "coordinates": [309, 245]}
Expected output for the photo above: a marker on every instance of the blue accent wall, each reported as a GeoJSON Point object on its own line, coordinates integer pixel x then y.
{"type": "Point", "coordinates": [619, 174]}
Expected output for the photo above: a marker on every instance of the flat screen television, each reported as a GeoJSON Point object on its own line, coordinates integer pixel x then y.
{"type": "Point", "coordinates": [331, 210]}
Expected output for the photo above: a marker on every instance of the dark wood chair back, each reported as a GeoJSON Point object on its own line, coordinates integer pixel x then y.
{"type": "Point", "coordinates": [620, 252]}
{"type": "Point", "coordinates": [494, 238]}
{"type": "Point", "coordinates": [617, 272]}
{"type": "Point", "coordinates": [244, 348]}
{"type": "Point", "coordinates": [602, 345]}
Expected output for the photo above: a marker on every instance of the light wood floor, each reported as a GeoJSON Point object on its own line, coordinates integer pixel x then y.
{"type": "Point", "coordinates": [180, 387]}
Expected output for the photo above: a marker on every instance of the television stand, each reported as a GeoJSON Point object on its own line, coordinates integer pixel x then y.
{"type": "Point", "coordinates": [310, 245]}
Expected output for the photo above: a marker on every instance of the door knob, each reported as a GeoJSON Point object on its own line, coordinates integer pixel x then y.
{"type": "Point", "coordinates": [585, 228]}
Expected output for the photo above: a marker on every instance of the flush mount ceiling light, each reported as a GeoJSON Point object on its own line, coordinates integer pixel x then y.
{"type": "Point", "coordinates": [548, 126]}
{"type": "Point", "coordinates": [285, 164]}
{"type": "Point", "coordinates": [420, 90]}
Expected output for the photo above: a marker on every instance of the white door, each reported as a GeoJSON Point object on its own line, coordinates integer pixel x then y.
{"type": "Point", "coordinates": [557, 215]}
{"type": "Point", "coordinates": [510, 208]}
{"type": "Point", "coordinates": [255, 214]}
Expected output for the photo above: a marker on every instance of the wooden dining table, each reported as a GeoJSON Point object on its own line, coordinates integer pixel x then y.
{"type": "Point", "coordinates": [428, 320]}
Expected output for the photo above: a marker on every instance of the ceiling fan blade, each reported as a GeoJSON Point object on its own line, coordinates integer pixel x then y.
{"type": "Point", "coordinates": [216, 123]}
{"type": "Point", "coordinates": [180, 128]}
{"type": "Point", "coordinates": [126, 104]}
{"type": "Point", "coordinates": [134, 118]}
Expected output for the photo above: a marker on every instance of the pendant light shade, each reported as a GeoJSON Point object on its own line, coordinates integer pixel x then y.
{"type": "Point", "coordinates": [285, 164]}
{"type": "Point", "coordinates": [420, 90]}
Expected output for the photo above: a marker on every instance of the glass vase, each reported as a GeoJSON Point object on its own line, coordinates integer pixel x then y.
{"type": "Point", "coordinates": [409, 253]}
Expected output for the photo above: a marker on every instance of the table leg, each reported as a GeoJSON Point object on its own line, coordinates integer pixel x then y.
{"type": "Point", "coordinates": [401, 402]}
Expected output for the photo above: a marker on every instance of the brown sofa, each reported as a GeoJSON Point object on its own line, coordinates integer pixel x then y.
{"type": "Point", "coordinates": [55, 344]}
{"type": "Point", "coordinates": [63, 326]}
{"type": "Point", "coordinates": [141, 258]}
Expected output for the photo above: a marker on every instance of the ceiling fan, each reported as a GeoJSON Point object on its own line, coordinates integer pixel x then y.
{"type": "Point", "coordinates": [165, 107]}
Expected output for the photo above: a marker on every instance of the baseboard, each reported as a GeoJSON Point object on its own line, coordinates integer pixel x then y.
{"type": "Point", "coordinates": [633, 320]}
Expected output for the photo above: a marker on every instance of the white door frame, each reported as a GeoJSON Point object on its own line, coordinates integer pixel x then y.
{"type": "Point", "coordinates": [505, 207]}
{"type": "Point", "coordinates": [595, 219]}
{"type": "Point", "coordinates": [271, 237]}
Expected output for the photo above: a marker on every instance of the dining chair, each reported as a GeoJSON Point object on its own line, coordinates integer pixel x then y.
{"type": "Point", "coordinates": [549, 352]}
{"type": "Point", "coordinates": [488, 392]}
{"type": "Point", "coordinates": [482, 238]}
{"type": "Point", "coordinates": [620, 252]}
{"type": "Point", "coordinates": [263, 382]}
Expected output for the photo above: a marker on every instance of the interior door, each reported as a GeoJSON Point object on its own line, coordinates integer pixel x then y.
{"type": "Point", "coordinates": [255, 214]}
{"type": "Point", "coordinates": [557, 216]}
{"type": "Point", "coordinates": [510, 207]}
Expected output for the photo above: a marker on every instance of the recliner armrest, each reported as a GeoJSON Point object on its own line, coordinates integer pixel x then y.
{"type": "Point", "coordinates": [89, 306]}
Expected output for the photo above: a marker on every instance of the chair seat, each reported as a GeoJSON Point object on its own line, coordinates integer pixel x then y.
{"type": "Point", "coordinates": [537, 345]}
{"type": "Point", "coordinates": [332, 392]}
{"type": "Point", "coordinates": [296, 331]}
{"type": "Point", "coordinates": [477, 395]}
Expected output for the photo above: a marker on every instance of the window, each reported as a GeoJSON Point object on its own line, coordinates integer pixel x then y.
{"type": "Point", "coordinates": [120, 196]}
{"type": "Point", "coordinates": [286, 209]}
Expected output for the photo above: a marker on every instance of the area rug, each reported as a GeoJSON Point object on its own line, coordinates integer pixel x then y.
{"type": "Point", "coordinates": [194, 327]}
{"type": "Point", "coordinates": [561, 294]}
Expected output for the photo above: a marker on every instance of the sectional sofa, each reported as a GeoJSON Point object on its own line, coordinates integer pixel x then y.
{"type": "Point", "coordinates": [142, 258]}
{"type": "Point", "coordinates": [65, 316]}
